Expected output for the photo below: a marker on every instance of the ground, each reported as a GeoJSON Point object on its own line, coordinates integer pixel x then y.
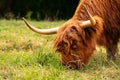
{"type": "Point", "coordinates": [25, 55]}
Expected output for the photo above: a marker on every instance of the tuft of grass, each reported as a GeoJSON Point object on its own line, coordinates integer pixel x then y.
{"type": "Point", "coordinates": [25, 55]}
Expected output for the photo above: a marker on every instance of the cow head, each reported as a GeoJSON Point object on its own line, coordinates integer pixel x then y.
{"type": "Point", "coordinates": [75, 39]}
{"type": "Point", "coordinates": [76, 43]}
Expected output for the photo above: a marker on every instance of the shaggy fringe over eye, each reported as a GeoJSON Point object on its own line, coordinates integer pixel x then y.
{"type": "Point", "coordinates": [66, 39]}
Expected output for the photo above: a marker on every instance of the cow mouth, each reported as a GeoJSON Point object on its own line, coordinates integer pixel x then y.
{"type": "Point", "coordinates": [74, 64]}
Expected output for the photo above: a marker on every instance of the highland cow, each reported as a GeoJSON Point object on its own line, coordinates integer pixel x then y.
{"type": "Point", "coordinates": [95, 22]}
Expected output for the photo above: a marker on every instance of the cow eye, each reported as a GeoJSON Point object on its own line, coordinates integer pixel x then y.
{"type": "Point", "coordinates": [73, 29]}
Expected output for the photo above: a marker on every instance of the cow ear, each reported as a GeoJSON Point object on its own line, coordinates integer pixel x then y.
{"type": "Point", "coordinates": [96, 29]}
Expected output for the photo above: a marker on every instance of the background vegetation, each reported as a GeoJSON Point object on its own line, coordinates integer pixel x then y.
{"type": "Point", "coordinates": [25, 55]}
{"type": "Point", "coordinates": [38, 9]}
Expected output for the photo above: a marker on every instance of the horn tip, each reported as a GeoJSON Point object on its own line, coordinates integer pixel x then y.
{"type": "Point", "coordinates": [23, 18]}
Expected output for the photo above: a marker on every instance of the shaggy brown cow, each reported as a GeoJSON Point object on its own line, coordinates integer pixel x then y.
{"type": "Point", "coordinates": [76, 39]}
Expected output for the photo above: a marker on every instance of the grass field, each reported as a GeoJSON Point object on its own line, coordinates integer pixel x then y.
{"type": "Point", "coordinates": [25, 55]}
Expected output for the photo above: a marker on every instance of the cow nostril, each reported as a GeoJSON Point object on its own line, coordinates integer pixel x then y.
{"type": "Point", "coordinates": [71, 66]}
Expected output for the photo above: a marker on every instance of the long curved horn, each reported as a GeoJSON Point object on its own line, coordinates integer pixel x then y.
{"type": "Point", "coordinates": [90, 22]}
{"type": "Point", "coordinates": [41, 31]}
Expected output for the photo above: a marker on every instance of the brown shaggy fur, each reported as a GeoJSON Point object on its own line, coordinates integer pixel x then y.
{"type": "Point", "coordinates": [73, 39]}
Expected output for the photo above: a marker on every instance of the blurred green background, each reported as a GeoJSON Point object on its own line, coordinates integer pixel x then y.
{"type": "Point", "coordinates": [37, 9]}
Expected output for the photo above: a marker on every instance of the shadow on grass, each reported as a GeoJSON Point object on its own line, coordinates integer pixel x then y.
{"type": "Point", "coordinates": [99, 61]}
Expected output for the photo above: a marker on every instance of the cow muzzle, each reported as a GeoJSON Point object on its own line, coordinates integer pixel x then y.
{"type": "Point", "coordinates": [75, 64]}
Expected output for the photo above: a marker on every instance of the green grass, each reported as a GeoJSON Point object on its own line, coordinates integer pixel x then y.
{"type": "Point", "coordinates": [25, 55]}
